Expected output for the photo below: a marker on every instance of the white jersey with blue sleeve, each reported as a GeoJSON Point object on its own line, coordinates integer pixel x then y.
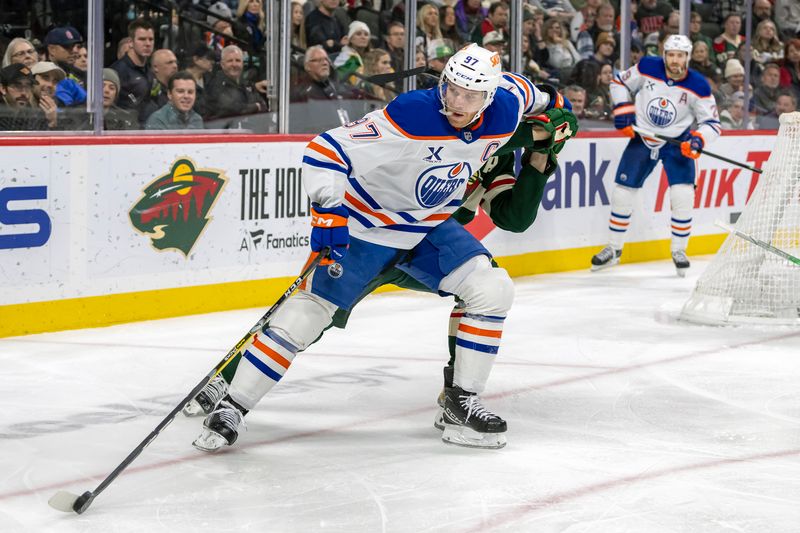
{"type": "Point", "coordinates": [664, 105]}
{"type": "Point", "coordinates": [402, 170]}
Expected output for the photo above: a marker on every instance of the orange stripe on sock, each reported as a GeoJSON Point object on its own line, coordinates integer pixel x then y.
{"type": "Point", "coordinates": [275, 356]}
{"type": "Point", "coordinates": [679, 228]}
{"type": "Point", "coordinates": [482, 332]}
{"type": "Point", "coordinates": [617, 223]}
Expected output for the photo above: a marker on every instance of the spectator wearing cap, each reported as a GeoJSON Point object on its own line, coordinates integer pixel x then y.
{"type": "Point", "coordinates": [163, 65]}
{"type": "Point", "coordinates": [439, 51]}
{"type": "Point", "coordinates": [20, 50]}
{"type": "Point", "coordinates": [201, 66]}
{"type": "Point", "coordinates": [496, 20]}
{"type": "Point", "coordinates": [765, 97]}
{"type": "Point", "coordinates": [734, 78]}
{"type": "Point", "coordinates": [350, 59]}
{"type": "Point", "coordinates": [318, 84]}
{"type": "Point", "coordinates": [469, 17]}
{"type": "Point", "coordinates": [494, 41]}
{"type": "Point", "coordinates": [651, 15]}
{"type": "Point", "coordinates": [369, 15]}
{"type": "Point", "coordinates": [604, 49]}
{"type": "Point", "coordinates": [178, 112]}
{"type": "Point", "coordinates": [135, 75]}
{"type": "Point", "coordinates": [16, 108]}
{"type": "Point", "coordinates": [220, 22]}
{"type": "Point", "coordinates": [785, 103]}
{"type": "Point", "coordinates": [603, 23]}
{"type": "Point", "coordinates": [115, 118]}
{"type": "Point", "coordinates": [395, 44]}
{"type": "Point", "coordinates": [46, 77]}
{"type": "Point", "coordinates": [62, 49]}
{"type": "Point", "coordinates": [727, 43]}
{"type": "Point", "coordinates": [701, 62]}
{"type": "Point", "coordinates": [227, 94]}
{"type": "Point", "coordinates": [562, 55]}
{"type": "Point", "coordinates": [250, 15]}
{"type": "Point", "coordinates": [323, 28]}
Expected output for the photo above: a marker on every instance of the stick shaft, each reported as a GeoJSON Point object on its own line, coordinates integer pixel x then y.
{"type": "Point", "coordinates": [670, 140]}
{"type": "Point", "coordinates": [758, 242]}
{"type": "Point", "coordinates": [217, 369]}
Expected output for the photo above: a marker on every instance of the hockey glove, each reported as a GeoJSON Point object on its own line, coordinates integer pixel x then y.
{"type": "Point", "coordinates": [693, 146]}
{"type": "Point", "coordinates": [557, 100]}
{"type": "Point", "coordinates": [556, 125]}
{"type": "Point", "coordinates": [625, 118]}
{"type": "Point", "coordinates": [329, 228]}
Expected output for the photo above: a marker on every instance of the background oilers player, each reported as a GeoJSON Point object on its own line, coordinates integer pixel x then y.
{"type": "Point", "coordinates": [391, 180]}
{"type": "Point", "coordinates": [669, 98]}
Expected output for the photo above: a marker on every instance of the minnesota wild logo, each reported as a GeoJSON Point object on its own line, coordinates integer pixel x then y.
{"type": "Point", "coordinates": [174, 208]}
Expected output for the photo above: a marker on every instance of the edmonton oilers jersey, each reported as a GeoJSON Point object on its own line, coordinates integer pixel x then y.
{"type": "Point", "coordinates": [402, 170]}
{"type": "Point", "coordinates": [664, 105]}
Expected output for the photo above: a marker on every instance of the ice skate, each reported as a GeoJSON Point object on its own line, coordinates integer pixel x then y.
{"type": "Point", "coordinates": [681, 262]}
{"type": "Point", "coordinates": [221, 427]}
{"type": "Point", "coordinates": [468, 423]}
{"type": "Point", "coordinates": [607, 257]}
{"type": "Point", "coordinates": [208, 398]}
{"type": "Point", "coordinates": [438, 422]}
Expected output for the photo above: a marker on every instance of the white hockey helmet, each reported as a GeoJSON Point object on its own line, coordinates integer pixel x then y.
{"type": "Point", "coordinates": [678, 43]}
{"type": "Point", "coordinates": [474, 68]}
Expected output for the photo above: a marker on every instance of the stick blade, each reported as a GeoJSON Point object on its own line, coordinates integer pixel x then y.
{"type": "Point", "coordinates": [63, 501]}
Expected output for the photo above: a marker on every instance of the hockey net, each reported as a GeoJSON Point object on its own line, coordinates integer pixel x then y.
{"type": "Point", "coordinates": [745, 283]}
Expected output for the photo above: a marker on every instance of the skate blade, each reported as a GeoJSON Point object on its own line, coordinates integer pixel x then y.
{"type": "Point", "coordinates": [192, 409]}
{"type": "Point", "coordinates": [209, 441]}
{"type": "Point", "coordinates": [464, 436]}
{"type": "Point", "coordinates": [681, 272]}
{"type": "Point", "coordinates": [438, 422]}
{"type": "Point", "coordinates": [595, 268]}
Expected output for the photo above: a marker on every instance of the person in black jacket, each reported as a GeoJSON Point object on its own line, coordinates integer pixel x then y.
{"type": "Point", "coordinates": [227, 95]}
{"type": "Point", "coordinates": [135, 76]}
{"type": "Point", "coordinates": [322, 27]}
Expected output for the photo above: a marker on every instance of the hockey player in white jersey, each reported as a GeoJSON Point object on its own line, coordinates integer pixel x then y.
{"type": "Point", "coordinates": [383, 189]}
{"type": "Point", "coordinates": [663, 95]}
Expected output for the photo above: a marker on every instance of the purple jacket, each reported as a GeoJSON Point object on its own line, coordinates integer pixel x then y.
{"type": "Point", "coordinates": [463, 22]}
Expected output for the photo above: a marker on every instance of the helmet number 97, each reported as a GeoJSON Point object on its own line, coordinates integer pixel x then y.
{"type": "Point", "coordinates": [470, 61]}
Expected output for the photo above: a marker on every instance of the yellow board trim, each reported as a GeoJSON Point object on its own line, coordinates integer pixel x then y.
{"type": "Point", "coordinates": [96, 311]}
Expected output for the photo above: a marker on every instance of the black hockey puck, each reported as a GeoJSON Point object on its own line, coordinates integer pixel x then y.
{"type": "Point", "coordinates": [83, 502]}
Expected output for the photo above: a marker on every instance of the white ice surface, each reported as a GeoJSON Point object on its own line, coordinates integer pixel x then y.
{"type": "Point", "coordinates": [621, 419]}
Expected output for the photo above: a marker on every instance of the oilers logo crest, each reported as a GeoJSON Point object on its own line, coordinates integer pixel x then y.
{"type": "Point", "coordinates": [437, 184]}
{"type": "Point", "coordinates": [661, 112]}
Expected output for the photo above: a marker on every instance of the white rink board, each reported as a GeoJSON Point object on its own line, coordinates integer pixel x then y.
{"type": "Point", "coordinates": [94, 249]}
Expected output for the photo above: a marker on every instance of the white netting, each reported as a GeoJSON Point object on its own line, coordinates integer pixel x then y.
{"type": "Point", "coordinates": [744, 282]}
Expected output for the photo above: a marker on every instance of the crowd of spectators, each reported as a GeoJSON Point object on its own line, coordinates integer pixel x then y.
{"type": "Point", "coordinates": [203, 67]}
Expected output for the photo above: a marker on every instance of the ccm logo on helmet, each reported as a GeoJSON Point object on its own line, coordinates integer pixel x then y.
{"type": "Point", "coordinates": [495, 60]}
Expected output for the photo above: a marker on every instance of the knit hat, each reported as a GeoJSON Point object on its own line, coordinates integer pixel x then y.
{"type": "Point", "coordinates": [357, 25]}
{"type": "Point", "coordinates": [220, 9]}
{"type": "Point", "coordinates": [604, 37]}
{"type": "Point", "coordinates": [109, 74]}
{"type": "Point", "coordinates": [733, 67]}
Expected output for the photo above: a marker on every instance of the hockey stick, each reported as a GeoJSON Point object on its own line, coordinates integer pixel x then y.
{"type": "Point", "coordinates": [645, 133]}
{"type": "Point", "coordinates": [765, 245]}
{"type": "Point", "coordinates": [383, 79]}
{"type": "Point", "coordinates": [66, 501]}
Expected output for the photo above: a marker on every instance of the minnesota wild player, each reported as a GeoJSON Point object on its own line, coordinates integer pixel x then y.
{"type": "Point", "coordinates": [511, 203]}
